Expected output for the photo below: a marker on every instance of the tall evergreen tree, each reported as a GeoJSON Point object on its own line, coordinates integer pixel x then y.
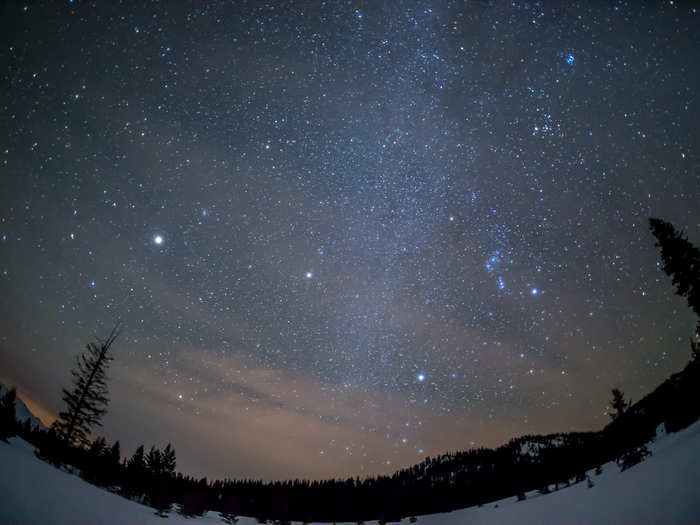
{"type": "Point", "coordinates": [112, 465]}
{"type": "Point", "coordinates": [114, 454]}
{"type": "Point", "coordinates": [8, 423]}
{"type": "Point", "coordinates": [97, 448]}
{"type": "Point", "coordinates": [135, 473]}
{"type": "Point", "coordinates": [137, 463]}
{"type": "Point", "coordinates": [93, 467]}
{"type": "Point", "coordinates": [161, 463]}
{"type": "Point", "coordinates": [153, 462]}
{"type": "Point", "coordinates": [87, 401]}
{"type": "Point", "coordinates": [161, 467]}
{"type": "Point", "coordinates": [681, 261]}
{"type": "Point", "coordinates": [619, 404]}
{"type": "Point", "coordinates": [168, 460]}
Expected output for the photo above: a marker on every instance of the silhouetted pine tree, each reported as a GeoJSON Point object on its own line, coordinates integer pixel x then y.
{"type": "Point", "coordinates": [113, 465]}
{"type": "Point", "coordinates": [137, 462]}
{"type": "Point", "coordinates": [135, 474]}
{"type": "Point", "coordinates": [97, 448]}
{"type": "Point", "coordinates": [168, 460]}
{"type": "Point", "coordinates": [93, 467]}
{"type": "Point", "coordinates": [161, 467]}
{"type": "Point", "coordinates": [153, 462]}
{"type": "Point", "coordinates": [681, 261]}
{"type": "Point", "coordinates": [87, 400]}
{"type": "Point", "coordinates": [8, 423]}
{"type": "Point", "coordinates": [619, 404]}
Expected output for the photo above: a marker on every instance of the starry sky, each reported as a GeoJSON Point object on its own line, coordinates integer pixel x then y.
{"type": "Point", "coordinates": [342, 236]}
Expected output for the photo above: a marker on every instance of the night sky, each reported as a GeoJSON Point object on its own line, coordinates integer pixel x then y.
{"type": "Point", "coordinates": [342, 236]}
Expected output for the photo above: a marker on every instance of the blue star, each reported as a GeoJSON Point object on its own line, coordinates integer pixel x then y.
{"type": "Point", "coordinates": [570, 59]}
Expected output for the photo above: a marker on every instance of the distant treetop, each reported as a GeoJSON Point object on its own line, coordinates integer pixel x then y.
{"type": "Point", "coordinates": [681, 261]}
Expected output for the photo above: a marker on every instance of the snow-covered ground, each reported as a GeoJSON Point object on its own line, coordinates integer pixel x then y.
{"type": "Point", "coordinates": [663, 489]}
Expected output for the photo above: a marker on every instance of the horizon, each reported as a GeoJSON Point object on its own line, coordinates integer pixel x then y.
{"type": "Point", "coordinates": [345, 237]}
{"type": "Point", "coordinates": [126, 456]}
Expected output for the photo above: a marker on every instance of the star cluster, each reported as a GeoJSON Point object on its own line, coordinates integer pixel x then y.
{"type": "Point", "coordinates": [347, 233]}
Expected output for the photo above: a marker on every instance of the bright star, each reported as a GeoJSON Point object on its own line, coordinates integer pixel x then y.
{"type": "Point", "coordinates": [158, 239]}
{"type": "Point", "coordinates": [420, 377]}
{"type": "Point", "coordinates": [534, 291]}
{"type": "Point", "coordinates": [309, 275]}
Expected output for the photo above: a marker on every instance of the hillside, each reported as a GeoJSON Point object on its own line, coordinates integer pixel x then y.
{"type": "Point", "coordinates": [663, 489]}
{"type": "Point", "coordinates": [467, 479]}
